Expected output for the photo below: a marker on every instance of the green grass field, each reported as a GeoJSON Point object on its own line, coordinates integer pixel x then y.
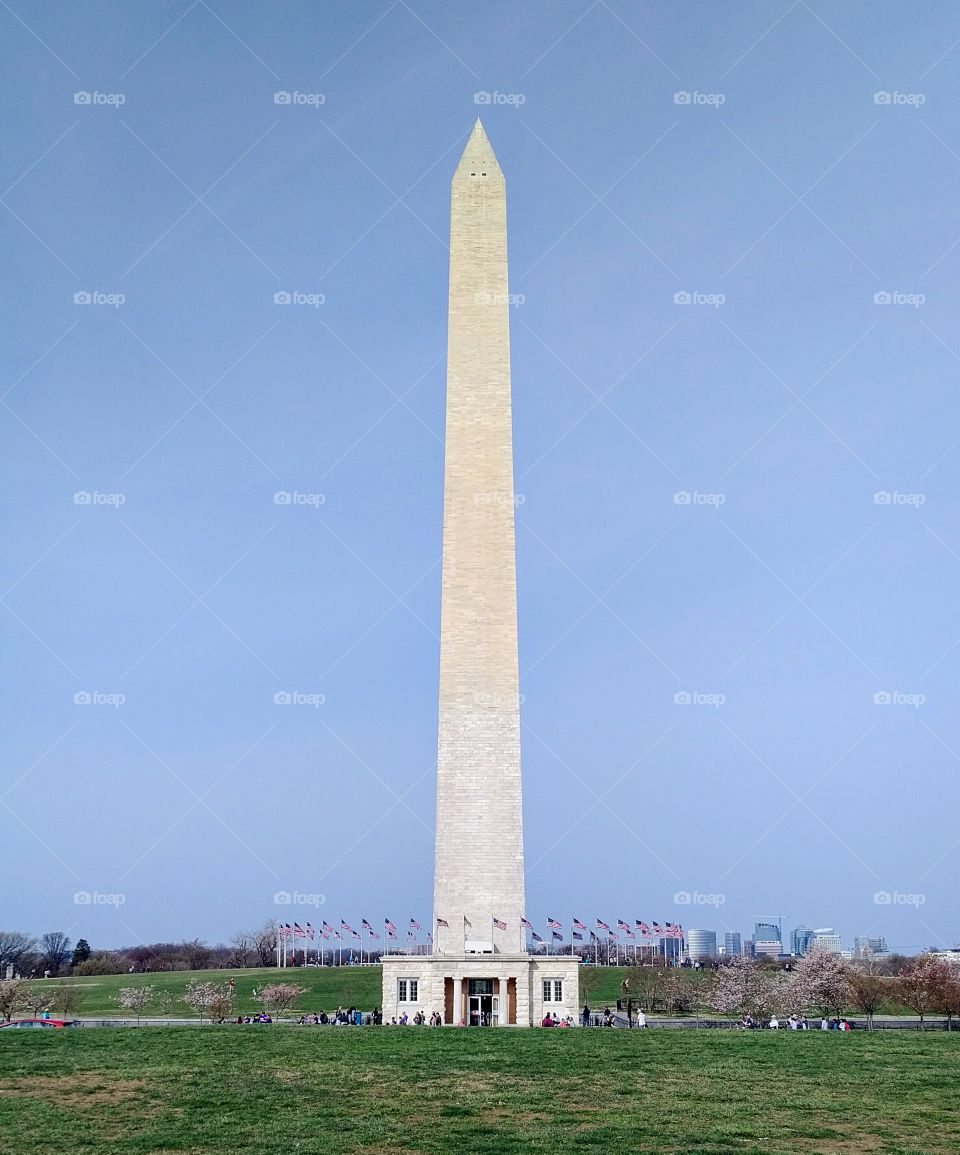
{"type": "Point", "coordinates": [236, 1090]}
{"type": "Point", "coordinates": [328, 987]}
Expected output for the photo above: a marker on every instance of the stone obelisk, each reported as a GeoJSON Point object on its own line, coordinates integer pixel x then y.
{"type": "Point", "coordinates": [479, 842]}
{"type": "Point", "coordinates": [479, 972]}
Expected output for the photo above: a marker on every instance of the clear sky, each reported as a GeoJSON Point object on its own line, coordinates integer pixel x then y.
{"type": "Point", "coordinates": [736, 154]}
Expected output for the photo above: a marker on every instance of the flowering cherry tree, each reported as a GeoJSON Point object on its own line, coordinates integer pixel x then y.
{"type": "Point", "coordinates": [279, 997]}
{"type": "Point", "coordinates": [820, 980]}
{"type": "Point", "coordinates": [743, 987]}
{"type": "Point", "coordinates": [136, 999]}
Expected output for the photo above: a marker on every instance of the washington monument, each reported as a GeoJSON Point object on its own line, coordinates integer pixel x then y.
{"type": "Point", "coordinates": [480, 972]}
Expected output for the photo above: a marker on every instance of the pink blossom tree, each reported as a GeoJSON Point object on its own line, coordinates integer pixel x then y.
{"type": "Point", "coordinates": [820, 980]}
{"type": "Point", "coordinates": [743, 987]}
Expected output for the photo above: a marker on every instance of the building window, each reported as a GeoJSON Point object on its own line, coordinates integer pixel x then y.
{"type": "Point", "coordinates": [407, 990]}
{"type": "Point", "coordinates": [553, 990]}
{"type": "Point", "coordinates": [480, 986]}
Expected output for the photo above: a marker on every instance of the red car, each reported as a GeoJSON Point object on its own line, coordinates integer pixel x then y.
{"type": "Point", "coordinates": [37, 1023]}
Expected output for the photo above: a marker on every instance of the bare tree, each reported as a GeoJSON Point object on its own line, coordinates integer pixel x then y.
{"type": "Point", "coordinates": [67, 998]}
{"type": "Point", "coordinates": [868, 991]}
{"type": "Point", "coordinates": [136, 999]}
{"type": "Point", "coordinates": [54, 950]}
{"type": "Point", "coordinates": [14, 948]}
{"type": "Point", "coordinates": [265, 943]}
{"type": "Point", "coordinates": [242, 945]}
{"type": "Point", "coordinates": [279, 997]}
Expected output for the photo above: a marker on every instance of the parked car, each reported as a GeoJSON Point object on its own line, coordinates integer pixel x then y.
{"type": "Point", "coordinates": [37, 1023]}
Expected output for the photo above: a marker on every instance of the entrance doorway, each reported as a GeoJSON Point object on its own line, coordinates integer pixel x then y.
{"type": "Point", "coordinates": [483, 1006]}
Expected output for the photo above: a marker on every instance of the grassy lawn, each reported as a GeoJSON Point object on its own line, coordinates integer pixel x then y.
{"type": "Point", "coordinates": [221, 1090]}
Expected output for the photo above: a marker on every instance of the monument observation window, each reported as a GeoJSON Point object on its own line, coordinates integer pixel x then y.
{"type": "Point", "coordinates": [553, 990]}
{"type": "Point", "coordinates": [407, 990]}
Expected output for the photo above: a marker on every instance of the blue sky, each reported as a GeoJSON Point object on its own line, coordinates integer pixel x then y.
{"type": "Point", "coordinates": [733, 239]}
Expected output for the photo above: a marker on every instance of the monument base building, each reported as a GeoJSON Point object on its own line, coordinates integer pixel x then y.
{"type": "Point", "coordinates": [481, 989]}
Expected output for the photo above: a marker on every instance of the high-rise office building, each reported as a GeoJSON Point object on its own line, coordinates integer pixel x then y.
{"type": "Point", "coordinates": [866, 946]}
{"type": "Point", "coordinates": [701, 944]}
{"type": "Point", "coordinates": [731, 943]}
{"type": "Point", "coordinates": [825, 939]}
{"type": "Point", "coordinates": [800, 939]}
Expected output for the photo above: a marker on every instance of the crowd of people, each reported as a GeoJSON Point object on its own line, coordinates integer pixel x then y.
{"type": "Point", "coordinates": [795, 1023]}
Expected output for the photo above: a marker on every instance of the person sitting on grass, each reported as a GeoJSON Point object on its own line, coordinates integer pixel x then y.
{"type": "Point", "coordinates": [547, 1020]}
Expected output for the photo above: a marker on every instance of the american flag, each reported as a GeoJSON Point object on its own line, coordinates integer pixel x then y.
{"type": "Point", "coordinates": [411, 935]}
{"type": "Point", "coordinates": [414, 925]}
{"type": "Point", "coordinates": [629, 933]}
{"type": "Point", "coordinates": [344, 925]}
{"type": "Point", "coordinates": [557, 936]}
{"type": "Point", "coordinates": [390, 926]}
{"type": "Point", "coordinates": [298, 931]}
{"type": "Point", "coordinates": [440, 922]}
{"type": "Point", "coordinates": [499, 924]}
{"type": "Point", "coordinates": [326, 925]}
{"type": "Point", "coordinates": [391, 934]}
{"type": "Point", "coordinates": [366, 925]}
{"type": "Point", "coordinates": [467, 922]}
{"type": "Point", "coordinates": [578, 936]}
{"type": "Point", "coordinates": [536, 937]}
{"type": "Point", "coordinates": [526, 923]}
{"type": "Point", "coordinates": [311, 933]}
{"type": "Point", "coordinates": [372, 933]}
{"type": "Point", "coordinates": [621, 925]}
{"type": "Point", "coordinates": [286, 930]}
{"type": "Point", "coordinates": [593, 937]}
{"type": "Point", "coordinates": [325, 932]}
{"type": "Point", "coordinates": [578, 925]}
{"type": "Point", "coordinates": [601, 925]}
{"type": "Point", "coordinates": [611, 935]}
{"type": "Point", "coordinates": [643, 928]}
{"type": "Point", "coordinates": [552, 924]}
